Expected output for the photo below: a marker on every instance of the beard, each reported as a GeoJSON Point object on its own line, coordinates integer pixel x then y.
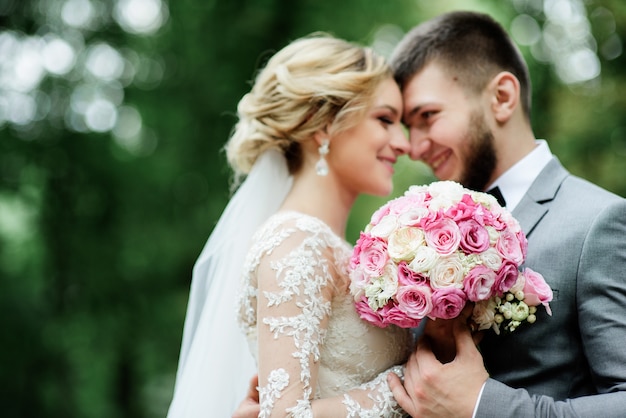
{"type": "Point", "coordinates": [481, 159]}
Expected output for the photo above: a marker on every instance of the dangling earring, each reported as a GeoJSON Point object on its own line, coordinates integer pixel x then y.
{"type": "Point", "coordinates": [321, 168]}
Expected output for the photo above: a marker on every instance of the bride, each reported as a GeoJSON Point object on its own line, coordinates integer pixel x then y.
{"type": "Point", "coordinates": [320, 126]}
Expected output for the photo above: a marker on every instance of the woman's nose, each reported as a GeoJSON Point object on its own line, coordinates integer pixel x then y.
{"type": "Point", "coordinates": [399, 143]}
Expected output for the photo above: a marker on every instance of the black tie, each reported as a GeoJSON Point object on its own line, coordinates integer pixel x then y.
{"type": "Point", "coordinates": [495, 192]}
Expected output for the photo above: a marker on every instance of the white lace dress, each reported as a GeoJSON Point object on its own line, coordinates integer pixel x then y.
{"type": "Point", "coordinates": [303, 329]}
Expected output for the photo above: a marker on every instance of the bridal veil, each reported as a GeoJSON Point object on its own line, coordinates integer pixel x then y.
{"type": "Point", "coordinates": [215, 364]}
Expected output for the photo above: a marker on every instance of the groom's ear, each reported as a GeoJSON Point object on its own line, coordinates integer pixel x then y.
{"type": "Point", "coordinates": [505, 96]}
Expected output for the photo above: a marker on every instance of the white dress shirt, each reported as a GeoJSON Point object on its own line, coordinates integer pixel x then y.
{"type": "Point", "coordinates": [515, 182]}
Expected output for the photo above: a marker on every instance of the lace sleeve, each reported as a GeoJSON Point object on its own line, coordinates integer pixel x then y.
{"type": "Point", "coordinates": [296, 283]}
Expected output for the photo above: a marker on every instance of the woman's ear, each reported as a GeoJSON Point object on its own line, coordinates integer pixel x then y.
{"type": "Point", "coordinates": [321, 135]}
{"type": "Point", "coordinates": [505, 96]}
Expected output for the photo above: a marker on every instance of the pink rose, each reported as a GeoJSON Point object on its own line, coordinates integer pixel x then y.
{"type": "Point", "coordinates": [509, 245]}
{"type": "Point", "coordinates": [411, 209]}
{"type": "Point", "coordinates": [536, 290]}
{"type": "Point", "coordinates": [478, 284]}
{"type": "Point", "coordinates": [521, 237]}
{"type": "Point", "coordinates": [430, 217]}
{"type": "Point", "coordinates": [407, 277]}
{"type": "Point", "coordinates": [463, 210]}
{"type": "Point", "coordinates": [505, 277]}
{"type": "Point", "coordinates": [358, 281]}
{"type": "Point", "coordinates": [371, 254]}
{"type": "Point", "coordinates": [510, 222]}
{"type": "Point", "coordinates": [443, 235]}
{"type": "Point", "coordinates": [476, 210]}
{"type": "Point", "coordinates": [403, 204]}
{"type": "Point", "coordinates": [397, 317]}
{"type": "Point", "coordinates": [492, 219]}
{"type": "Point", "coordinates": [474, 237]}
{"type": "Point", "coordinates": [448, 303]}
{"type": "Point", "coordinates": [366, 313]}
{"type": "Point", "coordinates": [356, 251]}
{"type": "Point", "coordinates": [380, 214]}
{"type": "Point", "coordinates": [415, 301]}
{"type": "Point", "coordinates": [488, 218]}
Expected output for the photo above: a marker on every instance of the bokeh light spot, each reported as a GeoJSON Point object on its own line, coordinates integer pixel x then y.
{"type": "Point", "coordinates": [612, 47]}
{"type": "Point", "coordinates": [101, 115]}
{"type": "Point", "coordinates": [104, 62]}
{"type": "Point", "coordinates": [58, 56]}
{"type": "Point", "coordinates": [140, 16]}
{"type": "Point", "coordinates": [128, 123]}
{"type": "Point", "coordinates": [525, 30]}
{"type": "Point", "coordinates": [22, 108]}
{"type": "Point", "coordinates": [78, 13]}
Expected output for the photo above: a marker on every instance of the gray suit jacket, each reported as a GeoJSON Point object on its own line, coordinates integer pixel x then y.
{"type": "Point", "coordinates": [573, 363]}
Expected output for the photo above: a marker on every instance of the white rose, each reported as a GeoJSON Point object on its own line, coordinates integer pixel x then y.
{"type": "Point", "coordinates": [484, 199]}
{"type": "Point", "coordinates": [441, 202]}
{"type": "Point", "coordinates": [413, 190]}
{"type": "Point", "coordinates": [448, 271]}
{"type": "Point", "coordinates": [404, 242]}
{"type": "Point", "coordinates": [390, 279]}
{"type": "Point", "coordinates": [446, 187]}
{"type": "Point", "coordinates": [412, 216]}
{"type": "Point", "coordinates": [382, 288]}
{"type": "Point", "coordinates": [425, 259]}
{"type": "Point", "coordinates": [493, 234]}
{"type": "Point", "coordinates": [491, 259]}
{"type": "Point", "coordinates": [445, 194]}
{"type": "Point", "coordinates": [484, 314]}
{"type": "Point", "coordinates": [385, 227]}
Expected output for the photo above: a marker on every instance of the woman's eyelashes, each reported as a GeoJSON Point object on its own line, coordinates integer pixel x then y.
{"type": "Point", "coordinates": [385, 120]}
{"type": "Point", "coordinates": [389, 119]}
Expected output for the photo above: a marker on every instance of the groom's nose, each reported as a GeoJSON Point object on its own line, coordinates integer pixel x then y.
{"type": "Point", "coordinates": [420, 144]}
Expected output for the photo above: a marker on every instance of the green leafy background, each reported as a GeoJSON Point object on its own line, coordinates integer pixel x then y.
{"type": "Point", "coordinates": [97, 239]}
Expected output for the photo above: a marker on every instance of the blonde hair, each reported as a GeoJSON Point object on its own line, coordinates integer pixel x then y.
{"type": "Point", "coordinates": [314, 83]}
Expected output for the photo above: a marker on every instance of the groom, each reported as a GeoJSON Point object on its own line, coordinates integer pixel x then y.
{"type": "Point", "coordinates": [467, 107]}
{"type": "Point", "coordinates": [466, 95]}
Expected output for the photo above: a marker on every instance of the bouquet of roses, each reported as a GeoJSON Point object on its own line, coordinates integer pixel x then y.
{"type": "Point", "coordinates": [438, 247]}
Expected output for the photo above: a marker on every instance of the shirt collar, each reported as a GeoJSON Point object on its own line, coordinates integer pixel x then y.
{"type": "Point", "coordinates": [515, 182]}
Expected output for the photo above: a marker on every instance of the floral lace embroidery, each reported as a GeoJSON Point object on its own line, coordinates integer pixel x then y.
{"type": "Point", "coordinates": [299, 297]}
{"type": "Point", "coordinates": [304, 273]}
{"type": "Point", "coordinates": [385, 404]}
{"type": "Point", "coordinates": [277, 381]}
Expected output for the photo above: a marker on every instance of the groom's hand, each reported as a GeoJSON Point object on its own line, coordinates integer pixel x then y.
{"type": "Point", "coordinates": [435, 389]}
{"type": "Point", "coordinates": [249, 407]}
{"type": "Point", "coordinates": [440, 333]}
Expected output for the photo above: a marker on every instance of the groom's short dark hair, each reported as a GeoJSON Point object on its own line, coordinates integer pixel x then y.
{"type": "Point", "coordinates": [472, 45]}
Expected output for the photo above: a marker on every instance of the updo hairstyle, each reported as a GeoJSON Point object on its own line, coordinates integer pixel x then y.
{"type": "Point", "coordinates": [314, 83]}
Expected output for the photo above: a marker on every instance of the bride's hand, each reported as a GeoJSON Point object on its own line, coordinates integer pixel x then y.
{"type": "Point", "coordinates": [249, 407]}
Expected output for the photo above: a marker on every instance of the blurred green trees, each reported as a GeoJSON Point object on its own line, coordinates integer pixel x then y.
{"type": "Point", "coordinates": [112, 177]}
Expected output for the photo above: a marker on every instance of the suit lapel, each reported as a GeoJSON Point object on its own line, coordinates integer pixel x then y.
{"type": "Point", "coordinates": [533, 205]}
